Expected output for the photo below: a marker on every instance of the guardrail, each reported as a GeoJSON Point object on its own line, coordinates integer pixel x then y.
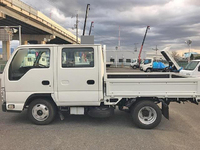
{"type": "Point", "coordinates": [24, 6]}
{"type": "Point", "coordinates": [18, 5]}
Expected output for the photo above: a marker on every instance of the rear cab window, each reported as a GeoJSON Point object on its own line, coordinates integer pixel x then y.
{"type": "Point", "coordinates": [77, 57]}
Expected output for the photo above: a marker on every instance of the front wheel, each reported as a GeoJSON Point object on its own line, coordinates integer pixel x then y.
{"type": "Point", "coordinates": [134, 67]}
{"type": "Point", "coordinates": [146, 114]}
{"type": "Point", "coordinates": [148, 70]}
{"type": "Point", "coordinates": [41, 111]}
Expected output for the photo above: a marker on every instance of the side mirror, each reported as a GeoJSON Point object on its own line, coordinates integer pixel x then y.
{"type": "Point", "coordinates": [199, 68]}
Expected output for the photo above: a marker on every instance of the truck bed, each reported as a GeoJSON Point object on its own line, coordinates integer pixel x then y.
{"type": "Point", "coordinates": [161, 85]}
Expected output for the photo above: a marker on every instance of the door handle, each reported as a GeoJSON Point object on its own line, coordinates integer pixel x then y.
{"type": "Point", "coordinates": [90, 82]}
{"type": "Point", "coordinates": [45, 82]}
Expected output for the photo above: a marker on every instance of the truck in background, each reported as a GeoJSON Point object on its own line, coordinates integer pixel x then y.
{"type": "Point", "coordinates": [192, 69]}
{"type": "Point", "coordinates": [134, 63]}
{"type": "Point", "coordinates": [149, 64]}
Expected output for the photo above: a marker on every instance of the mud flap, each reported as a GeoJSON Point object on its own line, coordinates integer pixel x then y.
{"type": "Point", "coordinates": [165, 110]}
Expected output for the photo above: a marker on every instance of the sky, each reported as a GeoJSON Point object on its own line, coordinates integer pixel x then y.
{"type": "Point", "coordinates": [172, 22]}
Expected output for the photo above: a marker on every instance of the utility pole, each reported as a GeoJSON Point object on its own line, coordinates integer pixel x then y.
{"type": "Point", "coordinates": [135, 46]}
{"type": "Point", "coordinates": [91, 27]}
{"type": "Point", "coordinates": [86, 15]}
{"type": "Point", "coordinates": [119, 39]}
{"type": "Point", "coordinates": [189, 42]}
{"type": "Point", "coordinates": [77, 28]}
{"type": "Point", "coordinates": [156, 49]}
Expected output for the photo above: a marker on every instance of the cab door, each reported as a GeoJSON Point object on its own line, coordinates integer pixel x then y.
{"type": "Point", "coordinates": [77, 75]}
{"type": "Point", "coordinates": [30, 71]}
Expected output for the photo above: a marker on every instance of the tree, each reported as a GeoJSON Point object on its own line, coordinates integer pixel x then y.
{"type": "Point", "coordinates": [175, 55]}
{"type": "Point", "coordinates": [191, 57]}
{"type": "Point", "coordinates": [197, 57]}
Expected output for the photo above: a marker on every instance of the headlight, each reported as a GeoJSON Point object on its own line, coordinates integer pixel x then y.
{"type": "Point", "coordinates": [3, 94]}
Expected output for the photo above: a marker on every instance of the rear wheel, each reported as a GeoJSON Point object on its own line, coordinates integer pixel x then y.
{"type": "Point", "coordinates": [146, 114]}
{"type": "Point", "coordinates": [41, 111]}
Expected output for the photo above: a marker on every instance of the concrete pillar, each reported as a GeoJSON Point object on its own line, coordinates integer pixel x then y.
{"type": "Point", "coordinates": [6, 50]}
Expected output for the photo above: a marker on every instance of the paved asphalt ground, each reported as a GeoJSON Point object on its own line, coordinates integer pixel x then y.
{"type": "Point", "coordinates": [181, 132]}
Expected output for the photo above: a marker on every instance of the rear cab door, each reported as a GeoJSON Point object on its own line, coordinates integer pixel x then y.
{"type": "Point", "coordinates": [78, 77]}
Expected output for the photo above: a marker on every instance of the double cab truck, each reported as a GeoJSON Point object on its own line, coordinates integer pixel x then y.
{"type": "Point", "coordinates": [74, 79]}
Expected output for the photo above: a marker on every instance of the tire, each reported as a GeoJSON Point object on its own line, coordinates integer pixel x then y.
{"type": "Point", "coordinates": [134, 67]}
{"type": "Point", "coordinates": [41, 111]}
{"type": "Point", "coordinates": [147, 109]}
{"type": "Point", "coordinates": [148, 70]}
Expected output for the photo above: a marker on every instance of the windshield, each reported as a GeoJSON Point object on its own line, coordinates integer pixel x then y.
{"type": "Point", "coordinates": [192, 65]}
{"type": "Point", "coordinates": [147, 61]}
{"type": "Point", "coordinates": [133, 61]}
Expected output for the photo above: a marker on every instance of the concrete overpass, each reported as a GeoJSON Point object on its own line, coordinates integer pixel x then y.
{"type": "Point", "coordinates": [35, 26]}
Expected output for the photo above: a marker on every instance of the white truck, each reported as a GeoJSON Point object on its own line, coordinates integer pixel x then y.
{"type": "Point", "coordinates": [192, 69]}
{"type": "Point", "coordinates": [75, 80]}
{"type": "Point", "coordinates": [134, 63]}
{"type": "Point", "coordinates": [150, 65]}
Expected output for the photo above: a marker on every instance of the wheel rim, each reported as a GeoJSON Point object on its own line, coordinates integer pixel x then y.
{"type": "Point", "coordinates": [148, 70]}
{"type": "Point", "coordinates": [147, 115]}
{"type": "Point", "coordinates": [40, 112]}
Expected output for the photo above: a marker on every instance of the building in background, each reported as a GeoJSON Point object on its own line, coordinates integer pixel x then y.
{"type": "Point", "coordinates": [122, 57]}
{"type": "Point", "coordinates": [187, 54]}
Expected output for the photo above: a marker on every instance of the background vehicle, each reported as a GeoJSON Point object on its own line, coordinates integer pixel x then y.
{"type": "Point", "coordinates": [150, 65]}
{"type": "Point", "coordinates": [108, 64]}
{"type": "Point", "coordinates": [192, 69]}
{"type": "Point", "coordinates": [134, 63]}
{"type": "Point", "coordinates": [73, 78]}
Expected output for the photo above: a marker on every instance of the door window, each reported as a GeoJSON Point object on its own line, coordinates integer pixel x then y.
{"type": "Point", "coordinates": [26, 59]}
{"type": "Point", "coordinates": [77, 57]}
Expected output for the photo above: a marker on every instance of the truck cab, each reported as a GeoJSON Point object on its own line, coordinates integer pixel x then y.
{"type": "Point", "coordinates": [192, 69]}
{"type": "Point", "coordinates": [134, 63]}
{"type": "Point", "coordinates": [58, 71]}
{"type": "Point", "coordinates": [147, 65]}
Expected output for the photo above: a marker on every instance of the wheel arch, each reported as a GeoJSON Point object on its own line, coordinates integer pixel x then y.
{"type": "Point", "coordinates": [164, 105]}
{"type": "Point", "coordinates": [138, 99]}
{"type": "Point", "coordinates": [35, 96]}
{"type": "Point", "coordinates": [148, 68]}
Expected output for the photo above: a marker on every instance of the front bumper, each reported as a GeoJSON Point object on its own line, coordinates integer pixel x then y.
{"type": "Point", "coordinates": [4, 107]}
